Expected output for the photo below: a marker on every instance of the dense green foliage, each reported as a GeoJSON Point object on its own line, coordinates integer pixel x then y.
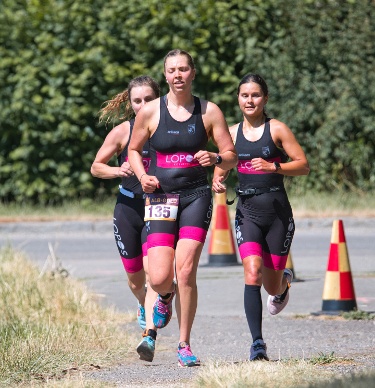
{"type": "Point", "coordinates": [61, 59]}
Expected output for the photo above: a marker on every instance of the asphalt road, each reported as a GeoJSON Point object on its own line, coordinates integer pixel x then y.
{"type": "Point", "coordinates": [87, 250]}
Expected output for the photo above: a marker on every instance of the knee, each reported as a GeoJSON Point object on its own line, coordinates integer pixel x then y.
{"type": "Point", "coordinates": [253, 277]}
{"type": "Point", "coordinates": [253, 272]}
{"type": "Point", "coordinates": [186, 278]}
{"type": "Point", "coordinates": [136, 285]}
{"type": "Point", "coordinates": [161, 285]}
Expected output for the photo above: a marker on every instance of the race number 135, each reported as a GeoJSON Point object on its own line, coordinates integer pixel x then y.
{"type": "Point", "coordinates": [161, 207]}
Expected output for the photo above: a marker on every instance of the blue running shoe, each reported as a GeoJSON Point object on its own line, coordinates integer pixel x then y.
{"type": "Point", "coordinates": [258, 351]}
{"type": "Point", "coordinates": [162, 312]}
{"type": "Point", "coordinates": [141, 316]}
{"type": "Point", "coordinates": [185, 355]}
{"type": "Point", "coordinates": [146, 348]}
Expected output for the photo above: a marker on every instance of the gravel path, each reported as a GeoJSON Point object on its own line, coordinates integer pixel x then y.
{"type": "Point", "coordinates": [228, 339]}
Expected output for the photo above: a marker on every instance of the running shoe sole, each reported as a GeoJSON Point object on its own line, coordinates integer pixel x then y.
{"type": "Point", "coordinates": [260, 357]}
{"type": "Point", "coordinates": [189, 365]}
{"type": "Point", "coordinates": [144, 351]}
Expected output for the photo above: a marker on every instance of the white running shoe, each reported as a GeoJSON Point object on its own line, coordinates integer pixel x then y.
{"type": "Point", "coordinates": [277, 303]}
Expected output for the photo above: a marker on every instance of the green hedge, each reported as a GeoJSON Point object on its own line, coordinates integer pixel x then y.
{"type": "Point", "coordinates": [60, 60]}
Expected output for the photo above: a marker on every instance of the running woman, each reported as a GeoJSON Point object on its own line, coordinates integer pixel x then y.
{"type": "Point", "coordinates": [179, 200]}
{"type": "Point", "coordinates": [128, 219]}
{"type": "Point", "coordinates": [267, 150]}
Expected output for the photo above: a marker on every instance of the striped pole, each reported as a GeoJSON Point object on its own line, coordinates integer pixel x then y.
{"type": "Point", "coordinates": [338, 292]}
{"type": "Point", "coordinates": [222, 250]}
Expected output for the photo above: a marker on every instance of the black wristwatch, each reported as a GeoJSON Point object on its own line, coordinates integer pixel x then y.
{"type": "Point", "coordinates": [277, 165]}
{"type": "Point", "coordinates": [219, 159]}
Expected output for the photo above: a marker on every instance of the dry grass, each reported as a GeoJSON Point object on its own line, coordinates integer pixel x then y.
{"type": "Point", "coordinates": [51, 328]}
{"type": "Point", "coordinates": [281, 374]}
{"type": "Point", "coordinates": [336, 204]}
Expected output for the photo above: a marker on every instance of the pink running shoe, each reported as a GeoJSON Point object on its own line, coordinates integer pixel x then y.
{"type": "Point", "coordinates": [162, 312]}
{"type": "Point", "coordinates": [185, 355]}
{"type": "Point", "coordinates": [277, 303]}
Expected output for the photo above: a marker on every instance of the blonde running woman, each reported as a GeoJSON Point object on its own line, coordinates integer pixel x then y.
{"type": "Point", "coordinates": [179, 201]}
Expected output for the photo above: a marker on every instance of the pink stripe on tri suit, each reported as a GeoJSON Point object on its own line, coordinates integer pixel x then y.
{"type": "Point", "coordinates": [133, 265]}
{"type": "Point", "coordinates": [160, 239]}
{"type": "Point", "coordinates": [193, 233]}
{"type": "Point", "coordinates": [275, 262]}
{"type": "Point", "coordinates": [144, 248]}
{"type": "Point", "coordinates": [250, 249]}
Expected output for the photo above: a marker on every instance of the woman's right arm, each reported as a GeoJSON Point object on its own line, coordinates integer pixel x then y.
{"type": "Point", "coordinates": [112, 145]}
{"type": "Point", "coordinates": [221, 175]}
{"type": "Point", "coordinates": [141, 134]}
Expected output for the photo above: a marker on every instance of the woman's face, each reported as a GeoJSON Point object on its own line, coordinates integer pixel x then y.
{"type": "Point", "coordinates": [140, 95]}
{"type": "Point", "coordinates": [178, 72]}
{"type": "Point", "coordinates": [251, 99]}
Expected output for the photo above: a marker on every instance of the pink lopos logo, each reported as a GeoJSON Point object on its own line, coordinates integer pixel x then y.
{"type": "Point", "coordinates": [176, 160]}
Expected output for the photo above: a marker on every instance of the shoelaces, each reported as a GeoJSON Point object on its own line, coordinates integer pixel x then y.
{"type": "Point", "coordinates": [186, 351]}
{"type": "Point", "coordinates": [162, 307]}
{"type": "Point", "coordinates": [258, 346]}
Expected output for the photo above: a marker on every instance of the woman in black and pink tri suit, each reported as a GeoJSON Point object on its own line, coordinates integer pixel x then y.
{"type": "Point", "coordinates": [264, 225]}
{"type": "Point", "coordinates": [128, 218]}
{"type": "Point", "coordinates": [179, 201]}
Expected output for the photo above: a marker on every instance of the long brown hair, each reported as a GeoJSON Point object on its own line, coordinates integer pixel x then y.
{"type": "Point", "coordinates": [119, 107]}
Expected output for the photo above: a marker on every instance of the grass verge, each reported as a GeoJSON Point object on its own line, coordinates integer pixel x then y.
{"type": "Point", "coordinates": [281, 374]}
{"type": "Point", "coordinates": [52, 328]}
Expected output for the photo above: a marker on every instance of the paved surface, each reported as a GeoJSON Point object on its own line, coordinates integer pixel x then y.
{"type": "Point", "coordinates": [220, 330]}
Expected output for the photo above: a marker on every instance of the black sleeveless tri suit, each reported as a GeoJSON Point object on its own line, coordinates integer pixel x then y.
{"type": "Point", "coordinates": [264, 222]}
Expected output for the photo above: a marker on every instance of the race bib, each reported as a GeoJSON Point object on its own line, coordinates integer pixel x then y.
{"type": "Point", "coordinates": [161, 207]}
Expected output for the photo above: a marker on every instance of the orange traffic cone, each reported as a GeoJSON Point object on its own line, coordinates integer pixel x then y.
{"type": "Point", "coordinates": [289, 265]}
{"type": "Point", "coordinates": [338, 293]}
{"type": "Point", "coordinates": [221, 251]}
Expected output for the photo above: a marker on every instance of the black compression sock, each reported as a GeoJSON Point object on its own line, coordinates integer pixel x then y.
{"type": "Point", "coordinates": [253, 309]}
{"type": "Point", "coordinates": [283, 295]}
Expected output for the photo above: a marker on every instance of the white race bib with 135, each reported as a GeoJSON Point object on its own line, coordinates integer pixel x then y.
{"type": "Point", "coordinates": [161, 207]}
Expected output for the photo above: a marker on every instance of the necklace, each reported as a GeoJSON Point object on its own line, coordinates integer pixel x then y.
{"type": "Point", "coordinates": [178, 106]}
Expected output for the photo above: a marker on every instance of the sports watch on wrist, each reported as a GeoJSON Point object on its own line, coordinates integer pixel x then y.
{"type": "Point", "coordinates": [219, 159]}
{"type": "Point", "coordinates": [277, 166]}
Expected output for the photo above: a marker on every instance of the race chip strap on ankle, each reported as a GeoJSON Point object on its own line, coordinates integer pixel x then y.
{"type": "Point", "coordinates": [166, 296]}
{"type": "Point", "coordinates": [150, 333]}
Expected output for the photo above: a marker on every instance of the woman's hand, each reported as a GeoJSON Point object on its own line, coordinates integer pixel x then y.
{"type": "Point", "coordinates": [125, 170]}
{"type": "Point", "coordinates": [260, 164]}
{"type": "Point", "coordinates": [149, 183]}
{"type": "Point", "coordinates": [218, 185]}
{"type": "Point", "coordinates": [205, 158]}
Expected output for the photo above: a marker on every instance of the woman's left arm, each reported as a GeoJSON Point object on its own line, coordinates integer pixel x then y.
{"type": "Point", "coordinates": [214, 120]}
{"type": "Point", "coordinates": [284, 138]}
